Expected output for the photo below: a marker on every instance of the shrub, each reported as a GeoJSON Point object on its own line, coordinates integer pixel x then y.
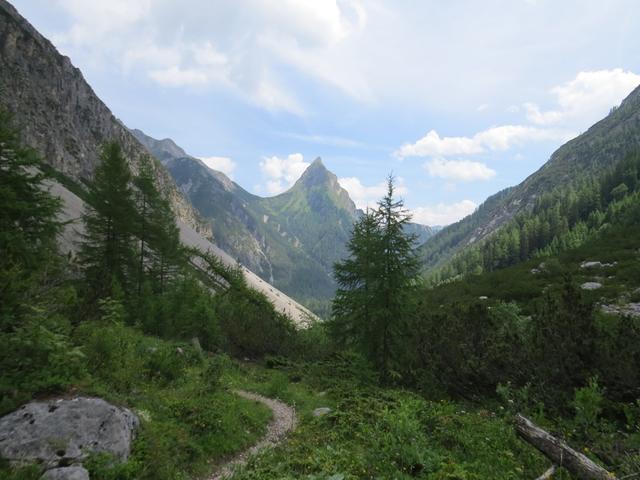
{"type": "Point", "coordinates": [37, 357]}
{"type": "Point", "coordinates": [165, 362]}
{"type": "Point", "coordinates": [588, 402]}
{"type": "Point", "coordinates": [212, 373]}
{"type": "Point", "coordinates": [111, 347]}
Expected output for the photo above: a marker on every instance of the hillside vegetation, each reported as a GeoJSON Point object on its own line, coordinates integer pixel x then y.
{"type": "Point", "coordinates": [578, 163]}
{"type": "Point", "coordinates": [426, 389]}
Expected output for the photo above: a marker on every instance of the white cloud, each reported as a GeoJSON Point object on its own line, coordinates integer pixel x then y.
{"type": "Point", "coordinates": [281, 173]}
{"type": "Point", "coordinates": [222, 164]}
{"type": "Point", "coordinates": [462, 170]}
{"type": "Point", "coordinates": [586, 98]}
{"type": "Point", "coordinates": [482, 108]}
{"type": "Point", "coordinates": [434, 145]}
{"type": "Point", "coordinates": [197, 44]}
{"type": "Point", "coordinates": [443, 213]}
{"type": "Point", "coordinates": [367, 196]}
{"type": "Point", "coordinates": [496, 138]}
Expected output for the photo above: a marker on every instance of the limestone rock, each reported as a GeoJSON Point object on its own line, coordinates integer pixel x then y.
{"type": "Point", "coordinates": [591, 286]}
{"type": "Point", "coordinates": [75, 472]}
{"type": "Point", "coordinates": [627, 310]}
{"type": "Point", "coordinates": [63, 432]}
{"type": "Point", "coordinates": [588, 264]}
{"type": "Point", "coordinates": [319, 412]}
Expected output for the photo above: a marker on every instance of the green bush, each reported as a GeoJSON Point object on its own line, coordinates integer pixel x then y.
{"type": "Point", "coordinates": [111, 348]}
{"type": "Point", "coordinates": [165, 362]}
{"type": "Point", "coordinates": [37, 357]}
{"type": "Point", "coordinates": [588, 402]}
{"type": "Point", "coordinates": [212, 373]}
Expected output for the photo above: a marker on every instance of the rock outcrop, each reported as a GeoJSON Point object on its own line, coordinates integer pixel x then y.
{"type": "Point", "coordinates": [62, 433]}
{"type": "Point", "coordinates": [60, 115]}
{"type": "Point", "coordinates": [591, 286]}
{"type": "Point", "coordinates": [75, 472]}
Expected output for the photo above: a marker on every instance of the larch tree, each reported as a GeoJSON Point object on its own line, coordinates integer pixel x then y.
{"type": "Point", "coordinates": [375, 284]}
{"type": "Point", "coordinates": [107, 251]}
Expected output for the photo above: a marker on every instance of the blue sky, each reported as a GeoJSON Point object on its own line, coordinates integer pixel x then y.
{"type": "Point", "coordinates": [458, 99]}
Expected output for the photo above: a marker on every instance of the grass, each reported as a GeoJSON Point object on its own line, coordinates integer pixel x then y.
{"type": "Point", "coordinates": [189, 424]}
{"type": "Point", "coordinates": [381, 433]}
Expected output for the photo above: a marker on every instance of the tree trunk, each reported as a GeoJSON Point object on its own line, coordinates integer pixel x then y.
{"type": "Point", "coordinates": [559, 452]}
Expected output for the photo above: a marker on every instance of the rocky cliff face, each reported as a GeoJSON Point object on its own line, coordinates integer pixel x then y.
{"type": "Point", "coordinates": [61, 116]}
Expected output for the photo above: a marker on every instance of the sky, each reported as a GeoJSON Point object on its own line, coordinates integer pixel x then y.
{"type": "Point", "coordinates": [456, 99]}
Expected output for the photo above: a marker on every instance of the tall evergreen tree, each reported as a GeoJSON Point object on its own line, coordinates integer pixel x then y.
{"type": "Point", "coordinates": [169, 254]}
{"type": "Point", "coordinates": [28, 225]}
{"type": "Point", "coordinates": [148, 234]}
{"type": "Point", "coordinates": [375, 284]}
{"type": "Point", "coordinates": [107, 249]}
{"type": "Point", "coordinates": [357, 276]}
{"type": "Point", "coordinates": [400, 268]}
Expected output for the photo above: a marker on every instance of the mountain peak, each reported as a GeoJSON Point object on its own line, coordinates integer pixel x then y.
{"type": "Point", "coordinates": [316, 173]}
{"type": "Point", "coordinates": [164, 149]}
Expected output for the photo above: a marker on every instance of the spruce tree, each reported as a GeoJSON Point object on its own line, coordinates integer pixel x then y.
{"type": "Point", "coordinates": [107, 249]}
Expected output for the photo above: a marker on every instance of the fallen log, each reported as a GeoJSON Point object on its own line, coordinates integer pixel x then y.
{"type": "Point", "coordinates": [559, 452]}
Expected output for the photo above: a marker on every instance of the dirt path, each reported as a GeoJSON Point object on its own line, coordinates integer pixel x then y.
{"type": "Point", "coordinates": [284, 420]}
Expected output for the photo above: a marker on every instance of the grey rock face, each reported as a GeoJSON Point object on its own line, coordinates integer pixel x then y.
{"type": "Point", "coordinates": [62, 432]}
{"type": "Point", "coordinates": [591, 286]}
{"type": "Point", "coordinates": [66, 473]}
{"type": "Point", "coordinates": [61, 116]}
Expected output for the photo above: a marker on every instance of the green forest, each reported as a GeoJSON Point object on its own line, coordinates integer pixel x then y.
{"type": "Point", "coordinates": [421, 377]}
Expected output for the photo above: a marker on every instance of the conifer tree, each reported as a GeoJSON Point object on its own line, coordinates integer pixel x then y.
{"type": "Point", "coordinates": [148, 201]}
{"type": "Point", "coordinates": [107, 249]}
{"type": "Point", "coordinates": [357, 276]}
{"type": "Point", "coordinates": [169, 255]}
{"type": "Point", "coordinates": [375, 284]}
{"type": "Point", "coordinates": [400, 268]}
{"type": "Point", "coordinates": [28, 224]}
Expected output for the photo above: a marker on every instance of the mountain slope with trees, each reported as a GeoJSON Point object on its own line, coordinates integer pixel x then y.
{"type": "Point", "coordinates": [574, 165]}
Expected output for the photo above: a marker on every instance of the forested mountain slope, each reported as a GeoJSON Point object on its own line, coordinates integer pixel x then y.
{"type": "Point", "coordinates": [574, 165]}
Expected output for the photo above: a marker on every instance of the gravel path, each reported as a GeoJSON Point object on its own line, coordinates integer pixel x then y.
{"type": "Point", "coordinates": [284, 420]}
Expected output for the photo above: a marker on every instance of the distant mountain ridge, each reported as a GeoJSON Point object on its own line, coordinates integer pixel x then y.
{"type": "Point", "coordinates": [291, 240]}
{"type": "Point", "coordinates": [601, 146]}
